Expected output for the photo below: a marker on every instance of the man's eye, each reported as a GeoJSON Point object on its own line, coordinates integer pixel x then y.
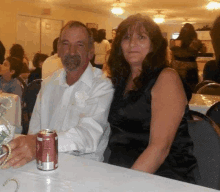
{"type": "Point", "coordinates": [65, 43]}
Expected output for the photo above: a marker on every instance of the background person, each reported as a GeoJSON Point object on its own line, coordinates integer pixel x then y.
{"type": "Point", "coordinates": [113, 36]}
{"type": "Point", "coordinates": [211, 69]}
{"type": "Point", "coordinates": [74, 101]}
{"type": "Point", "coordinates": [9, 70]}
{"type": "Point", "coordinates": [2, 52]}
{"type": "Point", "coordinates": [17, 51]}
{"type": "Point", "coordinates": [101, 48]}
{"type": "Point", "coordinates": [55, 41]}
{"type": "Point", "coordinates": [149, 111]}
{"type": "Point", "coordinates": [184, 55]}
{"type": "Point", "coordinates": [52, 63]}
{"type": "Point", "coordinates": [94, 34]}
{"type": "Point", "coordinates": [38, 60]}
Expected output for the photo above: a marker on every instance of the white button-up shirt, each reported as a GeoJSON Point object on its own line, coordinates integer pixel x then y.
{"type": "Point", "coordinates": [78, 112]}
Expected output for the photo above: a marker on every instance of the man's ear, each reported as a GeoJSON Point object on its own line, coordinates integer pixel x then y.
{"type": "Point", "coordinates": [12, 72]}
{"type": "Point", "coordinates": [91, 53]}
{"type": "Point", "coordinates": [58, 48]}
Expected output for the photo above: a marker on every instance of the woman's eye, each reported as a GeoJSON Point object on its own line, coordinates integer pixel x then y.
{"type": "Point", "coordinates": [142, 37]}
{"type": "Point", "coordinates": [126, 37]}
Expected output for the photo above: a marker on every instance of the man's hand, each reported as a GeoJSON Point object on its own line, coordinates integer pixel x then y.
{"type": "Point", "coordinates": [23, 150]}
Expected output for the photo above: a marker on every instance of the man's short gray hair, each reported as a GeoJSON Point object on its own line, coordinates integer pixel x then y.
{"type": "Point", "coordinates": [71, 24]}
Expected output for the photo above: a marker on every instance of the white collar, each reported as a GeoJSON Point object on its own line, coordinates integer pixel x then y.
{"type": "Point", "coordinates": [86, 77]}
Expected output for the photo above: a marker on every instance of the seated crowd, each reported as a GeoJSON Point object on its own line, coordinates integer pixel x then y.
{"type": "Point", "coordinates": [136, 118]}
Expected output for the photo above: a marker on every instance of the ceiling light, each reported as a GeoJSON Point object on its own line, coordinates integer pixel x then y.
{"type": "Point", "coordinates": [117, 10]}
{"type": "Point", "coordinates": [187, 21]}
{"type": "Point", "coordinates": [159, 18]}
{"type": "Point", "coordinates": [191, 22]}
{"type": "Point", "coordinates": [213, 5]}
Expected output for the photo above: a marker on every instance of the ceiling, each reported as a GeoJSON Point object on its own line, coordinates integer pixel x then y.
{"type": "Point", "coordinates": [176, 11]}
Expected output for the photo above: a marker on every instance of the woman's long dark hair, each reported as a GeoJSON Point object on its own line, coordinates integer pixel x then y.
{"type": "Point", "coordinates": [187, 34]}
{"type": "Point", "coordinates": [101, 35]}
{"type": "Point", "coordinates": [17, 51]}
{"type": "Point", "coordinates": [154, 61]}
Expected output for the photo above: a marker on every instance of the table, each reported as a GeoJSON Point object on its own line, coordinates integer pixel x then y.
{"type": "Point", "coordinates": [13, 115]}
{"type": "Point", "coordinates": [202, 103]}
{"type": "Point", "coordinates": [81, 175]}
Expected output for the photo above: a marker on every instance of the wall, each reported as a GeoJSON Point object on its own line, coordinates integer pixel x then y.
{"type": "Point", "coordinates": [11, 8]}
{"type": "Point", "coordinates": [172, 28]}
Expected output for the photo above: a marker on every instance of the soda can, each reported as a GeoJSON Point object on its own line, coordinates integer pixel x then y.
{"type": "Point", "coordinates": [47, 150]}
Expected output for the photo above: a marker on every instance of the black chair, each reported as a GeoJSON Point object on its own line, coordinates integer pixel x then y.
{"type": "Point", "coordinates": [22, 83]}
{"type": "Point", "coordinates": [206, 138]}
{"type": "Point", "coordinates": [214, 113]}
{"type": "Point", "coordinates": [210, 89]}
{"type": "Point", "coordinates": [29, 99]}
{"type": "Point", "coordinates": [201, 84]}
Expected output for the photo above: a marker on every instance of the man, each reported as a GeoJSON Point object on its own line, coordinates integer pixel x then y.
{"type": "Point", "coordinates": [52, 63]}
{"type": "Point", "coordinates": [74, 101]}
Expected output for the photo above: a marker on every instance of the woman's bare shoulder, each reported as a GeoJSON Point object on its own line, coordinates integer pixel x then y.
{"type": "Point", "coordinates": [168, 80]}
{"type": "Point", "coordinates": [169, 74]}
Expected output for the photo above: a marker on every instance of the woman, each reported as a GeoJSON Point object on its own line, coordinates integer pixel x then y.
{"type": "Point", "coordinates": [101, 47]}
{"type": "Point", "coordinates": [38, 60]}
{"type": "Point", "coordinates": [149, 111]}
{"type": "Point", "coordinates": [17, 51]}
{"type": "Point", "coordinates": [185, 54]}
{"type": "Point", "coordinates": [9, 71]}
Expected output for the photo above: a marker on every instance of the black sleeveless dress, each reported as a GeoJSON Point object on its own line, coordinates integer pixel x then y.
{"type": "Point", "coordinates": [130, 118]}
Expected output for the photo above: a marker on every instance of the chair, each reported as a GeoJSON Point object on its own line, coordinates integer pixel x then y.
{"type": "Point", "coordinates": [22, 83]}
{"type": "Point", "coordinates": [214, 113]}
{"type": "Point", "coordinates": [201, 84]}
{"type": "Point", "coordinates": [206, 138]}
{"type": "Point", "coordinates": [29, 98]}
{"type": "Point", "coordinates": [210, 89]}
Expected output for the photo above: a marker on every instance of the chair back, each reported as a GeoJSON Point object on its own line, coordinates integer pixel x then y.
{"type": "Point", "coordinates": [201, 84]}
{"type": "Point", "coordinates": [214, 113]}
{"type": "Point", "coordinates": [29, 99]}
{"type": "Point", "coordinates": [210, 89]}
{"type": "Point", "coordinates": [22, 83]}
{"type": "Point", "coordinates": [206, 138]}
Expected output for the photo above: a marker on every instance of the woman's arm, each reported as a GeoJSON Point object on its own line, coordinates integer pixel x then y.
{"type": "Point", "coordinates": [167, 109]}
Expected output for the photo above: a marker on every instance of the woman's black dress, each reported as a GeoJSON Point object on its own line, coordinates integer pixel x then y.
{"type": "Point", "coordinates": [130, 118]}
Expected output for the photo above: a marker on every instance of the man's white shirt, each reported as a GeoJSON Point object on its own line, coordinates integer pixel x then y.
{"type": "Point", "coordinates": [78, 112]}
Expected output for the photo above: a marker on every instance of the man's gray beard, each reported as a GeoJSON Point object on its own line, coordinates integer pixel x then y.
{"type": "Point", "coordinates": [71, 62]}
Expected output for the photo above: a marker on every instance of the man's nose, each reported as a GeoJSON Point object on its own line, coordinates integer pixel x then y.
{"type": "Point", "coordinates": [72, 49]}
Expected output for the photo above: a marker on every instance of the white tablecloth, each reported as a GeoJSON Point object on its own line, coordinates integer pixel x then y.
{"type": "Point", "coordinates": [81, 175]}
{"type": "Point", "coordinates": [13, 115]}
{"type": "Point", "coordinates": [202, 103]}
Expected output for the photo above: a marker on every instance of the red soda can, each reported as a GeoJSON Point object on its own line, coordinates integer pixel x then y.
{"type": "Point", "coordinates": [47, 150]}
